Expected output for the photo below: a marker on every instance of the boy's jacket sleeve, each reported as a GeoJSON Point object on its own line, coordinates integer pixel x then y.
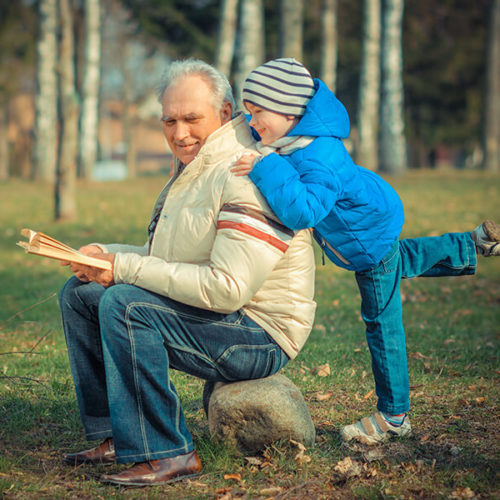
{"type": "Point", "coordinates": [300, 200]}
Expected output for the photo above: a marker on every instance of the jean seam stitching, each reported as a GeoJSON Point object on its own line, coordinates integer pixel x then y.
{"type": "Point", "coordinates": [197, 318]}
{"type": "Point", "coordinates": [136, 382]}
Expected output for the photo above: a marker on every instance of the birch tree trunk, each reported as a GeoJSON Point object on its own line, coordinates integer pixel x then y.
{"type": "Point", "coordinates": [369, 88]}
{"type": "Point", "coordinates": [227, 36]}
{"type": "Point", "coordinates": [329, 47]}
{"type": "Point", "coordinates": [492, 96]}
{"type": "Point", "coordinates": [65, 186]}
{"type": "Point", "coordinates": [291, 28]}
{"type": "Point", "coordinates": [128, 117]}
{"type": "Point", "coordinates": [90, 89]}
{"type": "Point", "coordinates": [4, 142]}
{"type": "Point", "coordinates": [392, 138]}
{"type": "Point", "coordinates": [45, 148]}
{"type": "Point", "coordinates": [250, 42]}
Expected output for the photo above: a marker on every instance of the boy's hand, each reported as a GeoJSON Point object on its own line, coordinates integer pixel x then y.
{"type": "Point", "coordinates": [244, 165]}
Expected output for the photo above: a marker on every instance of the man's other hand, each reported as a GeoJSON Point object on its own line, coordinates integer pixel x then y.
{"type": "Point", "coordinates": [103, 277]}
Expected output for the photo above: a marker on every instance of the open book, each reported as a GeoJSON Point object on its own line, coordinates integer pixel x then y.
{"type": "Point", "coordinates": [46, 246]}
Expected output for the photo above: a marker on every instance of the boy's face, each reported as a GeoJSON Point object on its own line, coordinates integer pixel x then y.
{"type": "Point", "coordinates": [269, 125]}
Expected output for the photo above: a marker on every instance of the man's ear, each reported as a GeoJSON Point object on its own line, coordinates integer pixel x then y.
{"type": "Point", "coordinates": [226, 112]}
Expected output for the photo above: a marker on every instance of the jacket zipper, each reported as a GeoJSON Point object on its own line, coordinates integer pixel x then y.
{"type": "Point", "coordinates": [335, 252]}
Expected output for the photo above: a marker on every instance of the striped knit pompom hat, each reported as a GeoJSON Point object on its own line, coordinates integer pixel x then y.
{"type": "Point", "coordinates": [281, 85]}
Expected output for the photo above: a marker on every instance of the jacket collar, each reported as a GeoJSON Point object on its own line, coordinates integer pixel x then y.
{"type": "Point", "coordinates": [222, 144]}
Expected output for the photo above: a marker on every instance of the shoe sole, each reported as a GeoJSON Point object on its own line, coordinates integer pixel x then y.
{"type": "Point", "coordinates": [170, 481]}
{"type": "Point", "coordinates": [76, 463]}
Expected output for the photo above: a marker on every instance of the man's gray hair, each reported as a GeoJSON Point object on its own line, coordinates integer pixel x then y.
{"type": "Point", "coordinates": [213, 77]}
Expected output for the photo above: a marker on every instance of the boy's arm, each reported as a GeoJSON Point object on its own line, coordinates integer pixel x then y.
{"type": "Point", "coordinates": [300, 197]}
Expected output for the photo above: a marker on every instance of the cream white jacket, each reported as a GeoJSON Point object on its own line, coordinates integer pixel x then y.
{"type": "Point", "coordinates": [218, 246]}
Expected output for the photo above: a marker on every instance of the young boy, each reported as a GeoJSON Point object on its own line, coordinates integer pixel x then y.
{"type": "Point", "coordinates": [309, 180]}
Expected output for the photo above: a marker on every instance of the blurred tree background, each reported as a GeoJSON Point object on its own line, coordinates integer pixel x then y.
{"type": "Point", "coordinates": [447, 53]}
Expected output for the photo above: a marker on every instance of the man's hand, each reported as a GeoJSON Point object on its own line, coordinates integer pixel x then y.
{"type": "Point", "coordinates": [86, 250]}
{"type": "Point", "coordinates": [244, 165]}
{"type": "Point", "coordinates": [103, 277]}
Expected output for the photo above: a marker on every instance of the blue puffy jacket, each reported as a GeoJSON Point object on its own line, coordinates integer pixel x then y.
{"type": "Point", "coordinates": [356, 215]}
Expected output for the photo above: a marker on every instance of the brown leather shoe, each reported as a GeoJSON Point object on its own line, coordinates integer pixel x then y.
{"type": "Point", "coordinates": [162, 471]}
{"type": "Point", "coordinates": [102, 454]}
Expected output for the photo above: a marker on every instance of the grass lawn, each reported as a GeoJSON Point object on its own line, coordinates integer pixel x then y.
{"type": "Point", "coordinates": [452, 329]}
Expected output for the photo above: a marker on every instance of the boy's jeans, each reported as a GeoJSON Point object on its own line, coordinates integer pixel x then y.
{"type": "Point", "coordinates": [123, 340]}
{"type": "Point", "coordinates": [453, 254]}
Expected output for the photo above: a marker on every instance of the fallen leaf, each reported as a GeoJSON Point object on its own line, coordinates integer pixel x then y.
{"type": "Point", "coordinates": [323, 370]}
{"type": "Point", "coordinates": [368, 394]}
{"type": "Point", "coordinates": [254, 460]}
{"type": "Point", "coordinates": [301, 456]}
{"type": "Point", "coordinates": [425, 438]}
{"type": "Point", "coordinates": [220, 491]}
{"type": "Point", "coordinates": [348, 467]}
{"type": "Point", "coordinates": [197, 484]}
{"type": "Point", "coordinates": [323, 396]}
{"type": "Point", "coordinates": [419, 355]}
{"type": "Point", "coordinates": [236, 477]}
{"type": "Point", "coordinates": [269, 492]}
{"type": "Point", "coordinates": [372, 455]}
{"type": "Point", "coordinates": [461, 492]}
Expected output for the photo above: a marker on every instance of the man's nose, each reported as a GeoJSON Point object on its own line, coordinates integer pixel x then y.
{"type": "Point", "coordinates": [181, 131]}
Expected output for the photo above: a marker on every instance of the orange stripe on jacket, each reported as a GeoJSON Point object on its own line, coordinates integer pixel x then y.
{"type": "Point", "coordinates": [245, 228]}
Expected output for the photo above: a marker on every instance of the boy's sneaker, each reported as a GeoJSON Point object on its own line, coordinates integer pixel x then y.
{"type": "Point", "coordinates": [374, 430]}
{"type": "Point", "coordinates": [487, 238]}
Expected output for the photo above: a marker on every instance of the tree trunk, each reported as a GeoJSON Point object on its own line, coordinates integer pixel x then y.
{"type": "Point", "coordinates": [227, 36]}
{"type": "Point", "coordinates": [90, 89]}
{"type": "Point", "coordinates": [492, 95]}
{"type": "Point", "coordinates": [392, 138]}
{"type": "Point", "coordinates": [4, 142]}
{"type": "Point", "coordinates": [128, 116]}
{"type": "Point", "coordinates": [291, 28]}
{"type": "Point", "coordinates": [250, 42]}
{"type": "Point", "coordinates": [329, 47]}
{"type": "Point", "coordinates": [65, 186]}
{"type": "Point", "coordinates": [45, 150]}
{"type": "Point", "coordinates": [369, 88]}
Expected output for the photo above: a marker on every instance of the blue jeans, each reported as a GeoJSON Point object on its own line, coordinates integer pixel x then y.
{"type": "Point", "coordinates": [123, 340]}
{"type": "Point", "coordinates": [452, 254]}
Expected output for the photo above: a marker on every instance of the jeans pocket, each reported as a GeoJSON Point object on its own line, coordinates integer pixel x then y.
{"type": "Point", "coordinates": [245, 362]}
{"type": "Point", "coordinates": [390, 261]}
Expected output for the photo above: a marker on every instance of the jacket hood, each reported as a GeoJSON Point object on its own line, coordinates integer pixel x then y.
{"type": "Point", "coordinates": [325, 115]}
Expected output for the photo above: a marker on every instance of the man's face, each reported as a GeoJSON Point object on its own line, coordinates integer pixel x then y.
{"type": "Point", "coordinates": [189, 116]}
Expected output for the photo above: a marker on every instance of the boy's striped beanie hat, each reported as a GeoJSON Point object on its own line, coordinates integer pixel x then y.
{"type": "Point", "coordinates": [281, 85]}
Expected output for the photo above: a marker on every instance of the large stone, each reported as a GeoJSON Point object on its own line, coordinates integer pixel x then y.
{"type": "Point", "coordinates": [252, 414]}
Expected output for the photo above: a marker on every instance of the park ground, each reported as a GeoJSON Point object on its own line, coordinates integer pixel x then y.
{"type": "Point", "coordinates": [452, 329]}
